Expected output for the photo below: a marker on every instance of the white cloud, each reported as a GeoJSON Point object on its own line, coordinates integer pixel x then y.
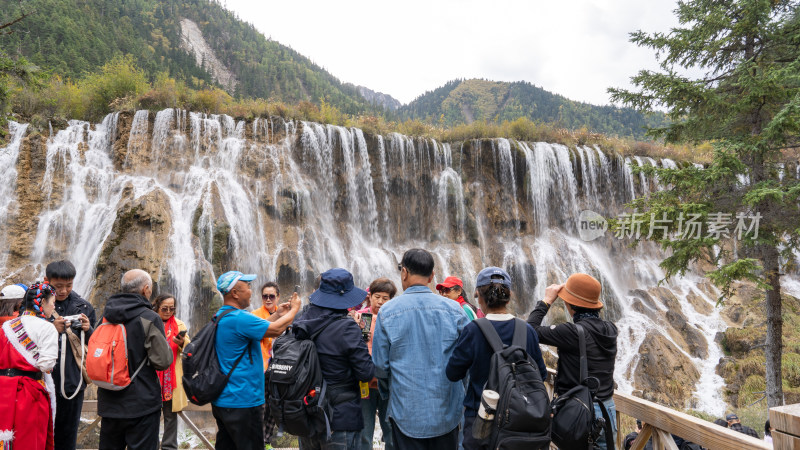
{"type": "Point", "coordinates": [576, 48]}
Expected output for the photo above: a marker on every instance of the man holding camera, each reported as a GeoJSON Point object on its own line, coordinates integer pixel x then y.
{"type": "Point", "coordinates": [74, 316]}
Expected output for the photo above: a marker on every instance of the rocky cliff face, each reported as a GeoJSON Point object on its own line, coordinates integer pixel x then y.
{"type": "Point", "coordinates": [187, 196]}
{"type": "Point", "coordinates": [379, 98]}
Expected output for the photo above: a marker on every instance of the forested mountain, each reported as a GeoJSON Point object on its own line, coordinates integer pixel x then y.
{"type": "Point", "coordinates": [73, 37]}
{"type": "Point", "coordinates": [202, 44]}
{"type": "Point", "coordinates": [465, 101]}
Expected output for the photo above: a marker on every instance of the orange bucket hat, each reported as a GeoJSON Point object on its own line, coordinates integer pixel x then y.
{"type": "Point", "coordinates": [581, 290]}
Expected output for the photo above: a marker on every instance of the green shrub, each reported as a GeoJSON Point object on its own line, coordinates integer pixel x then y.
{"type": "Point", "coordinates": [118, 80]}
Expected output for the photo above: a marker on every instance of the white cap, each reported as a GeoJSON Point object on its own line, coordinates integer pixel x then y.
{"type": "Point", "coordinates": [12, 292]}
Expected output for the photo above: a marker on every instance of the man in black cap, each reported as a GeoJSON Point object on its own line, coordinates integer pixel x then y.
{"type": "Point", "coordinates": [735, 425]}
{"type": "Point", "coordinates": [343, 357]}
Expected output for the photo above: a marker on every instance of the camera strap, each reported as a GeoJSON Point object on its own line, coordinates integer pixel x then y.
{"type": "Point", "coordinates": [63, 361]}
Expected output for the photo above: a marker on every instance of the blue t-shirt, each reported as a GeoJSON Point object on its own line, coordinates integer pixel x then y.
{"type": "Point", "coordinates": [237, 331]}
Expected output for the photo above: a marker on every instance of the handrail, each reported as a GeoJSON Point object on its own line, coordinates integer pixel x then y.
{"type": "Point", "coordinates": [699, 431]}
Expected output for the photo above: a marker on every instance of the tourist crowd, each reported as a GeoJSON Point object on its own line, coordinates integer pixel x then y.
{"type": "Point", "coordinates": [419, 361]}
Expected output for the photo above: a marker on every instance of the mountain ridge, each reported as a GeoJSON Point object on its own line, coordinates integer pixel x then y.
{"type": "Point", "coordinates": [203, 44]}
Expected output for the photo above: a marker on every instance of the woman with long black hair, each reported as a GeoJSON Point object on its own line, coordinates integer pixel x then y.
{"type": "Point", "coordinates": [28, 352]}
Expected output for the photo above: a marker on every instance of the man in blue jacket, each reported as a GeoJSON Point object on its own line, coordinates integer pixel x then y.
{"type": "Point", "coordinates": [343, 357]}
{"type": "Point", "coordinates": [415, 335]}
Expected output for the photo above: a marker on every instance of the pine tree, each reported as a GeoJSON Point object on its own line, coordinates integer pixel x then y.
{"type": "Point", "coordinates": [747, 103]}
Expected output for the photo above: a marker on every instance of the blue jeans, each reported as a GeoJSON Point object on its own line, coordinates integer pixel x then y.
{"type": "Point", "coordinates": [612, 414]}
{"type": "Point", "coordinates": [369, 406]}
{"type": "Point", "coordinates": [339, 440]}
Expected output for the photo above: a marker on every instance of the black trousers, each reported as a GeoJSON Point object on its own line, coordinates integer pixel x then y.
{"type": "Point", "coordinates": [239, 428]}
{"type": "Point", "coordinates": [140, 433]}
{"type": "Point", "coordinates": [68, 417]}
{"type": "Point", "coordinates": [447, 441]}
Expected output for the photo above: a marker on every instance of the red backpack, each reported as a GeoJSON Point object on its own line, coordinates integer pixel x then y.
{"type": "Point", "coordinates": [107, 360]}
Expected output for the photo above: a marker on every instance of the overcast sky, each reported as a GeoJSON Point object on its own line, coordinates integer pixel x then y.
{"type": "Point", "coordinates": [576, 48]}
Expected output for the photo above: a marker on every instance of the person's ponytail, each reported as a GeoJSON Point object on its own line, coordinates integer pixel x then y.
{"type": "Point", "coordinates": [495, 295]}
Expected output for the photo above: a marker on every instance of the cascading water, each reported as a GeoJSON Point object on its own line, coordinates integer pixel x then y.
{"type": "Point", "coordinates": [287, 200]}
{"type": "Point", "coordinates": [8, 173]}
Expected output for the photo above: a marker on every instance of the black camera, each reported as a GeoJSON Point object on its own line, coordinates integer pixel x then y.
{"type": "Point", "coordinates": [74, 322]}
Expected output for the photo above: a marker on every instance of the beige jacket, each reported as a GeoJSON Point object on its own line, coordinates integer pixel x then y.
{"type": "Point", "coordinates": [179, 399]}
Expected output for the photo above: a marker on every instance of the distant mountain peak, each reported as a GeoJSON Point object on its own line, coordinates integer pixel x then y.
{"type": "Point", "coordinates": [379, 98]}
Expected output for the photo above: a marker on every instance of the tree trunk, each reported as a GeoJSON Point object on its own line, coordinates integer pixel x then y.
{"type": "Point", "coordinates": [774, 347]}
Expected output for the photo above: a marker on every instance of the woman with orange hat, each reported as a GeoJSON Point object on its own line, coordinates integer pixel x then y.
{"type": "Point", "coordinates": [581, 295]}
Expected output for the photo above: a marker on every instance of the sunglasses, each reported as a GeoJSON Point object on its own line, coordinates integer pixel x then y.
{"type": "Point", "coordinates": [269, 296]}
{"type": "Point", "coordinates": [167, 309]}
{"type": "Point", "coordinates": [447, 290]}
{"type": "Point", "coordinates": [400, 267]}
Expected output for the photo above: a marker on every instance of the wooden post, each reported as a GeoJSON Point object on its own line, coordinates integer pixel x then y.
{"type": "Point", "coordinates": [643, 437]}
{"type": "Point", "coordinates": [195, 429]}
{"type": "Point", "coordinates": [88, 429]}
{"type": "Point", "coordinates": [786, 423]}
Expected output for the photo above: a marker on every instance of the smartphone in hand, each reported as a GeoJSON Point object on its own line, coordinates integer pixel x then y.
{"type": "Point", "coordinates": [366, 325]}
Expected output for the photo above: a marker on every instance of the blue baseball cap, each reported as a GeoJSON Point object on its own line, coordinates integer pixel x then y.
{"type": "Point", "coordinates": [500, 276]}
{"type": "Point", "coordinates": [228, 280]}
{"type": "Point", "coordinates": [337, 291]}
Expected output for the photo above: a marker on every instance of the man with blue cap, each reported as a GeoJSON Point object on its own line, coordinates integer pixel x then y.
{"type": "Point", "coordinates": [343, 357]}
{"type": "Point", "coordinates": [239, 409]}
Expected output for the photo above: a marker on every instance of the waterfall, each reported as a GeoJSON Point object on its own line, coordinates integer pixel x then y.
{"type": "Point", "coordinates": [8, 173]}
{"type": "Point", "coordinates": [287, 200]}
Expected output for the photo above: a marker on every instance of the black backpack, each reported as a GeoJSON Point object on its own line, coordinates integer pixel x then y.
{"type": "Point", "coordinates": [522, 419]}
{"type": "Point", "coordinates": [574, 422]}
{"type": "Point", "coordinates": [298, 396]}
{"type": "Point", "coordinates": [203, 379]}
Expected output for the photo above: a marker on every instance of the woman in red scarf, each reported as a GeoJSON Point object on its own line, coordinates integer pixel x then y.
{"type": "Point", "coordinates": [172, 393]}
{"type": "Point", "coordinates": [28, 352]}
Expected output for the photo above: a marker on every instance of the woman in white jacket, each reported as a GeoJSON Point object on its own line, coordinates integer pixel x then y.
{"type": "Point", "coordinates": [28, 352]}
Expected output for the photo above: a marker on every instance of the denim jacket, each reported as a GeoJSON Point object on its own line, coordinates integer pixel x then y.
{"type": "Point", "coordinates": [415, 334]}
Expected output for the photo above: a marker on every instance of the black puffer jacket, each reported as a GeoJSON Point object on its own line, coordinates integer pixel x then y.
{"type": "Point", "coordinates": [601, 350]}
{"type": "Point", "coordinates": [145, 334]}
{"type": "Point", "coordinates": [71, 306]}
{"type": "Point", "coordinates": [343, 359]}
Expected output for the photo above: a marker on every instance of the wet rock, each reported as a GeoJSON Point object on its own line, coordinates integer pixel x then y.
{"type": "Point", "coordinates": [213, 230]}
{"type": "Point", "coordinates": [21, 225]}
{"type": "Point", "coordinates": [287, 267]}
{"type": "Point", "coordinates": [696, 343]}
{"type": "Point", "coordinates": [664, 374]}
{"type": "Point", "coordinates": [138, 240]}
{"type": "Point", "coordinates": [699, 303]}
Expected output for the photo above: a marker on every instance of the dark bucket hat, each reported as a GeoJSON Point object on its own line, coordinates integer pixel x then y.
{"type": "Point", "coordinates": [337, 291]}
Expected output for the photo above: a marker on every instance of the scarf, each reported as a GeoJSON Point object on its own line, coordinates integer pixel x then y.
{"type": "Point", "coordinates": [167, 377]}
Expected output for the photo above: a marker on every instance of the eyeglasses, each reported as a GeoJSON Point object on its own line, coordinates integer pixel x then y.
{"type": "Point", "coordinates": [269, 296]}
{"type": "Point", "coordinates": [167, 309]}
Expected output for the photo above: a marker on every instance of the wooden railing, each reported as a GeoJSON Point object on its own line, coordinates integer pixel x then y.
{"type": "Point", "coordinates": [662, 422]}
